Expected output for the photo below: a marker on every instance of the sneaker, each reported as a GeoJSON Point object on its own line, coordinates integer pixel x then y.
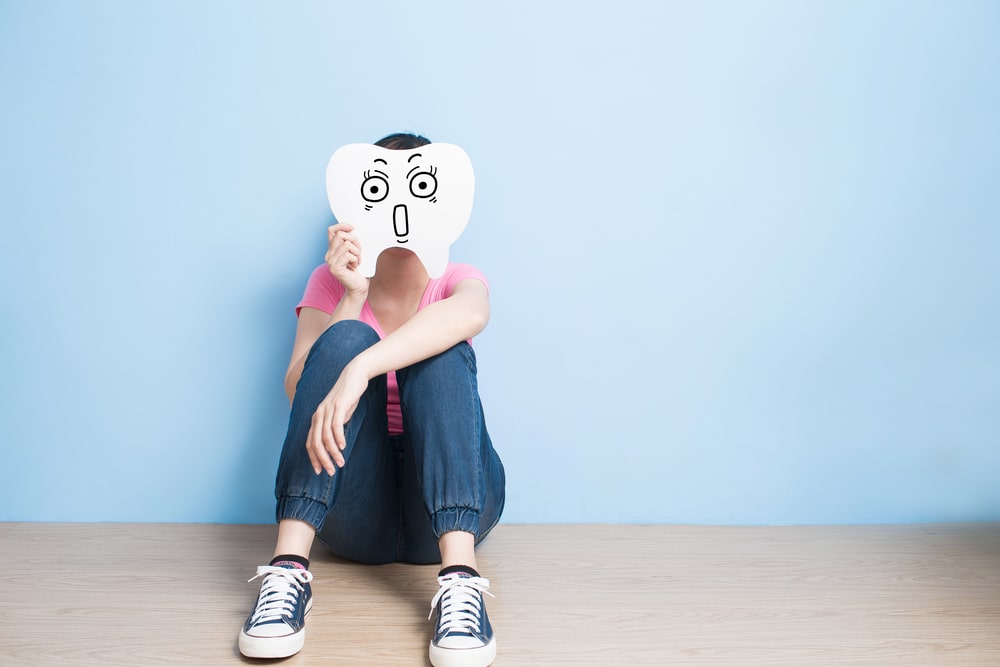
{"type": "Point", "coordinates": [276, 627]}
{"type": "Point", "coordinates": [463, 636]}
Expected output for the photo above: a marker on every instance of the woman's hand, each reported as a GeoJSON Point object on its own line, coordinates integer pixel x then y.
{"type": "Point", "coordinates": [343, 257]}
{"type": "Point", "coordinates": [326, 441]}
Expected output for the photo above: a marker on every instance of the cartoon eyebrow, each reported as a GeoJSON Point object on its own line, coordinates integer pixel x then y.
{"type": "Point", "coordinates": [378, 159]}
{"type": "Point", "coordinates": [431, 169]}
{"type": "Point", "coordinates": [413, 156]}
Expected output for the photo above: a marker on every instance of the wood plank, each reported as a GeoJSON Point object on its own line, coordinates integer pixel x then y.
{"type": "Point", "coordinates": [148, 594]}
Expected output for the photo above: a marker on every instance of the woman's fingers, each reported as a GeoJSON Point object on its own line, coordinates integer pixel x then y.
{"type": "Point", "coordinates": [313, 461]}
{"type": "Point", "coordinates": [326, 441]}
{"type": "Point", "coordinates": [329, 441]}
{"type": "Point", "coordinates": [344, 252]}
{"type": "Point", "coordinates": [339, 439]}
{"type": "Point", "coordinates": [342, 236]}
{"type": "Point", "coordinates": [314, 446]}
{"type": "Point", "coordinates": [319, 439]}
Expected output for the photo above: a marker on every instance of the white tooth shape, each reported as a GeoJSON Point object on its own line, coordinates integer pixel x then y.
{"type": "Point", "coordinates": [435, 183]}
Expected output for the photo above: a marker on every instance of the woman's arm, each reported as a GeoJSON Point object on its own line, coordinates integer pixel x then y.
{"type": "Point", "coordinates": [312, 324]}
{"type": "Point", "coordinates": [342, 256]}
{"type": "Point", "coordinates": [432, 330]}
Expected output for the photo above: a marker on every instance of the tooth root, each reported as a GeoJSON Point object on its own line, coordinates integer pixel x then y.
{"type": "Point", "coordinates": [435, 259]}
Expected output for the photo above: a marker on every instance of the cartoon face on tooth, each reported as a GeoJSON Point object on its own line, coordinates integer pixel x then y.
{"type": "Point", "coordinates": [417, 199]}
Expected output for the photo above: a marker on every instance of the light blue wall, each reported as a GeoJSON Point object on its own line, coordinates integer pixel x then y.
{"type": "Point", "coordinates": [744, 255]}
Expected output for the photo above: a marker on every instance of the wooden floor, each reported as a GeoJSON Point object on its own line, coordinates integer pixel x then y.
{"type": "Point", "coordinates": [149, 594]}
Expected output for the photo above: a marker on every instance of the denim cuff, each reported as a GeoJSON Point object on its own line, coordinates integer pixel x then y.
{"type": "Point", "coordinates": [305, 509]}
{"type": "Point", "coordinates": [455, 518]}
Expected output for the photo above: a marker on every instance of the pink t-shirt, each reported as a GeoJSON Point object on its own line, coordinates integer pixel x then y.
{"type": "Point", "coordinates": [323, 292]}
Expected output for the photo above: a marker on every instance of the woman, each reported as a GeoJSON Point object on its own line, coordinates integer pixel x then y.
{"type": "Point", "coordinates": [387, 457]}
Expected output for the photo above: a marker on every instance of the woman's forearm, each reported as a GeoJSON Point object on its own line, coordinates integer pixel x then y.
{"type": "Point", "coordinates": [431, 331]}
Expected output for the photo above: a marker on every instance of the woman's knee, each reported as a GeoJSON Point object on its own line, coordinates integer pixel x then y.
{"type": "Point", "coordinates": [456, 363]}
{"type": "Point", "coordinates": [343, 341]}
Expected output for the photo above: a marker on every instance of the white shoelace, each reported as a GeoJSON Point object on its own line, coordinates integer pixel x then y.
{"type": "Point", "coordinates": [462, 608]}
{"type": "Point", "coordinates": [279, 592]}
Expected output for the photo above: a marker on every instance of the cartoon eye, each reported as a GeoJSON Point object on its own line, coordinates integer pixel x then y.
{"type": "Point", "coordinates": [375, 189]}
{"type": "Point", "coordinates": [423, 184]}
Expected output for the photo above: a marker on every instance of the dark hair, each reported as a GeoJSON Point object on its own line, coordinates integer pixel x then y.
{"type": "Point", "coordinates": [402, 141]}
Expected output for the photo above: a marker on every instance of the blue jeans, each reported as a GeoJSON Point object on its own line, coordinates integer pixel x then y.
{"type": "Point", "coordinates": [395, 495]}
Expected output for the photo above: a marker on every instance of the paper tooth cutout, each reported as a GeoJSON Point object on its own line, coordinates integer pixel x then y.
{"type": "Point", "coordinates": [418, 199]}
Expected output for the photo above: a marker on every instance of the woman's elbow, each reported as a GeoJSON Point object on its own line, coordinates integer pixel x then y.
{"type": "Point", "coordinates": [478, 319]}
{"type": "Point", "coordinates": [290, 384]}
